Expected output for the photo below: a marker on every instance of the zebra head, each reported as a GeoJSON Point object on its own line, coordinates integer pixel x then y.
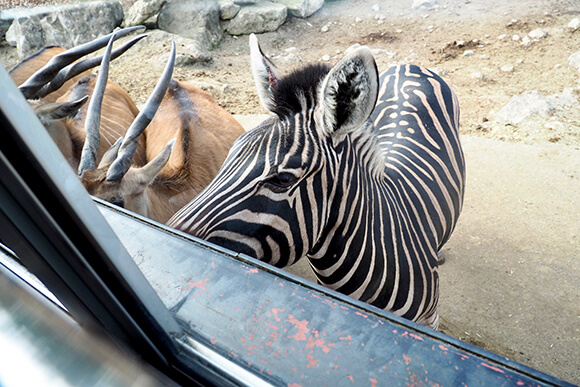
{"type": "Point", "coordinates": [275, 196]}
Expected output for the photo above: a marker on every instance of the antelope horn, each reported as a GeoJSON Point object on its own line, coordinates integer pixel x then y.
{"type": "Point", "coordinates": [75, 69]}
{"type": "Point", "coordinates": [48, 71]}
{"type": "Point", "coordinates": [93, 119]}
{"type": "Point", "coordinates": [124, 159]}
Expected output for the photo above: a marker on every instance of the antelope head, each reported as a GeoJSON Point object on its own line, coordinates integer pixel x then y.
{"type": "Point", "coordinates": [114, 179]}
{"type": "Point", "coordinates": [57, 117]}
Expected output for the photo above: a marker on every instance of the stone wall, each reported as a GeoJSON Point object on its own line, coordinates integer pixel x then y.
{"type": "Point", "coordinates": [203, 21]}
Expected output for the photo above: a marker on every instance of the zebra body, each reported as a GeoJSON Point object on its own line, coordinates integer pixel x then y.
{"type": "Point", "coordinates": [368, 195]}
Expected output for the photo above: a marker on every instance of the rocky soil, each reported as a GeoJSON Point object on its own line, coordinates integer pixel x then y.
{"type": "Point", "coordinates": [482, 48]}
{"type": "Point", "coordinates": [470, 42]}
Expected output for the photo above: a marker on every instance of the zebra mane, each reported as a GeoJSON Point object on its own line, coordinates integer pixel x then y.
{"type": "Point", "coordinates": [369, 149]}
{"type": "Point", "coordinates": [298, 91]}
{"type": "Point", "coordinates": [297, 88]}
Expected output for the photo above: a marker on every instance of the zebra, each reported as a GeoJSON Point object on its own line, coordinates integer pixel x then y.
{"type": "Point", "coordinates": [362, 175]}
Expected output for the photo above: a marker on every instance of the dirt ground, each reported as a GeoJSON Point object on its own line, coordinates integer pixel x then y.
{"type": "Point", "coordinates": [425, 37]}
{"type": "Point", "coordinates": [511, 283]}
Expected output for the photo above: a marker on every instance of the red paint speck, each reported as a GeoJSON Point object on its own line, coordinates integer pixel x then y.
{"type": "Point", "coordinates": [373, 381]}
{"type": "Point", "coordinates": [274, 336]}
{"type": "Point", "coordinates": [493, 368]}
{"type": "Point", "coordinates": [346, 338]}
{"type": "Point", "coordinates": [312, 362]}
{"type": "Point", "coordinates": [199, 284]}
{"type": "Point", "coordinates": [294, 385]}
{"type": "Point", "coordinates": [317, 343]}
{"type": "Point", "coordinates": [275, 312]}
{"type": "Point", "coordinates": [443, 348]}
{"type": "Point", "coordinates": [213, 265]}
{"type": "Point", "coordinates": [361, 314]}
{"type": "Point", "coordinates": [407, 359]}
{"type": "Point", "coordinates": [213, 341]}
{"type": "Point", "coordinates": [254, 270]}
{"type": "Point", "coordinates": [413, 335]}
{"type": "Point", "coordinates": [350, 377]}
{"type": "Point", "coordinates": [463, 356]}
{"type": "Point", "coordinates": [416, 337]}
{"type": "Point", "coordinates": [301, 326]}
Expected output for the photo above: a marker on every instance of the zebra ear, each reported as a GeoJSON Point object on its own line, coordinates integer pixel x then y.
{"type": "Point", "coordinates": [266, 74]}
{"type": "Point", "coordinates": [349, 92]}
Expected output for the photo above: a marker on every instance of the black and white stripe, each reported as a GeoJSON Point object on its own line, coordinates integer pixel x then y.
{"type": "Point", "coordinates": [368, 194]}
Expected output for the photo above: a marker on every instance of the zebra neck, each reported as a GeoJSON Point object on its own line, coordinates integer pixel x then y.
{"type": "Point", "coordinates": [351, 228]}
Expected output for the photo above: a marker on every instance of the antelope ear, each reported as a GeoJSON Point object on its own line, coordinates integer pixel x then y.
{"type": "Point", "coordinates": [266, 74]}
{"type": "Point", "coordinates": [349, 92]}
{"type": "Point", "coordinates": [149, 171]}
{"type": "Point", "coordinates": [59, 110]}
{"type": "Point", "coordinates": [111, 154]}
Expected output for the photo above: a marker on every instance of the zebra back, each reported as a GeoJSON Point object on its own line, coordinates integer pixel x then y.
{"type": "Point", "coordinates": [416, 122]}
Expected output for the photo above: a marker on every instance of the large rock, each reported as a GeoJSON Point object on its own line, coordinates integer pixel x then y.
{"type": "Point", "coordinates": [141, 11]}
{"type": "Point", "coordinates": [574, 24]}
{"type": "Point", "coordinates": [424, 4]}
{"type": "Point", "coordinates": [7, 16]}
{"type": "Point", "coordinates": [258, 18]}
{"type": "Point", "coordinates": [301, 8]}
{"type": "Point", "coordinates": [5, 22]}
{"type": "Point", "coordinates": [65, 26]}
{"type": "Point", "coordinates": [530, 103]}
{"type": "Point", "coordinates": [190, 50]}
{"type": "Point", "coordinates": [228, 10]}
{"type": "Point", "coordinates": [194, 19]}
{"type": "Point", "coordinates": [574, 60]}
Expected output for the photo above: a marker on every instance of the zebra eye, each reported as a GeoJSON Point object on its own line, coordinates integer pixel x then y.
{"type": "Point", "coordinates": [281, 181]}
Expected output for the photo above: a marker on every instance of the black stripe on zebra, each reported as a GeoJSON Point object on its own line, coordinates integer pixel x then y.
{"type": "Point", "coordinates": [368, 195]}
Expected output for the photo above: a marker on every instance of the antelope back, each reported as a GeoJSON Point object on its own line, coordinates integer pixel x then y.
{"type": "Point", "coordinates": [204, 133]}
{"type": "Point", "coordinates": [117, 114]}
{"type": "Point", "coordinates": [28, 66]}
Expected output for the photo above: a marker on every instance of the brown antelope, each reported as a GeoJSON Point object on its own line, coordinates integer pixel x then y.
{"type": "Point", "coordinates": [30, 65]}
{"type": "Point", "coordinates": [186, 143]}
{"type": "Point", "coordinates": [57, 91]}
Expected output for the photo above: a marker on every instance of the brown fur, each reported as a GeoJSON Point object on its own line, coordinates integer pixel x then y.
{"type": "Point", "coordinates": [204, 133]}
{"type": "Point", "coordinates": [28, 66]}
{"type": "Point", "coordinates": [118, 111]}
